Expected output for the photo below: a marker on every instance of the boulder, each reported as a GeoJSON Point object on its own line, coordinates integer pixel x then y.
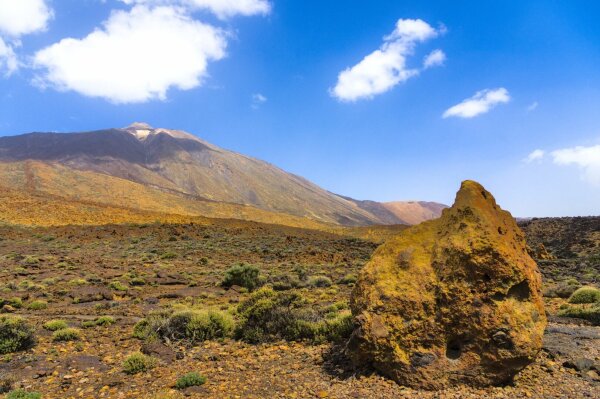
{"type": "Point", "coordinates": [91, 294]}
{"type": "Point", "coordinates": [452, 300]}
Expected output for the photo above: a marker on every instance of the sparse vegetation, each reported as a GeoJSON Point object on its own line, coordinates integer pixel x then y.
{"type": "Point", "coordinates": [320, 281]}
{"type": "Point", "coordinates": [37, 305]}
{"type": "Point", "coordinates": [55, 325]}
{"type": "Point", "coordinates": [192, 379]}
{"type": "Point", "coordinates": [268, 316]}
{"type": "Point", "coordinates": [66, 334]}
{"type": "Point", "coordinates": [118, 286]}
{"type": "Point", "coordinates": [192, 325]}
{"type": "Point", "coordinates": [23, 394]}
{"type": "Point", "coordinates": [138, 363]}
{"type": "Point", "coordinates": [590, 313]}
{"type": "Point", "coordinates": [585, 295]}
{"type": "Point", "coordinates": [105, 321]}
{"type": "Point", "coordinates": [243, 275]}
{"type": "Point", "coordinates": [15, 334]}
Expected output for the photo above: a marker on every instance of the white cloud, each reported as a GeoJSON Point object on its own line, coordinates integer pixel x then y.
{"type": "Point", "coordinates": [482, 102]}
{"type": "Point", "coordinates": [21, 17]}
{"type": "Point", "coordinates": [586, 158]}
{"type": "Point", "coordinates": [257, 100]}
{"type": "Point", "coordinates": [137, 56]}
{"type": "Point", "coordinates": [435, 58]}
{"type": "Point", "coordinates": [8, 59]}
{"type": "Point", "coordinates": [533, 106]}
{"type": "Point", "coordinates": [221, 8]}
{"type": "Point", "coordinates": [536, 155]}
{"type": "Point", "coordinates": [386, 67]}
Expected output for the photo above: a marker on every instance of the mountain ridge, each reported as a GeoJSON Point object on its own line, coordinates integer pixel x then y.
{"type": "Point", "coordinates": [179, 163]}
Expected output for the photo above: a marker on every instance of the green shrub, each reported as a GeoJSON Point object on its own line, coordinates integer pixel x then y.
{"type": "Point", "coordinates": [118, 286]}
{"type": "Point", "coordinates": [189, 324]}
{"type": "Point", "coordinates": [284, 282]}
{"type": "Point", "coordinates": [22, 394]}
{"type": "Point", "coordinates": [105, 321]}
{"type": "Point", "coordinates": [137, 282]}
{"type": "Point", "coordinates": [66, 334]}
{"type": "Point", "coordinates": [566, 288]}
{"type": "Point", "coordinates": [37, 305]}
{"type": "Point", "coordinates": [269, 316]}
{"type": "Point", "coordinates": [31, 260]}
{"type": "Point", "coordinates": [190, 380]}
{"type": "Point", "coordinates": [590, 313]}
{"type": "Point", "coordinates": [55, 325]}
{"type": "Point", "coordinates": [246, 276]}
{"type": "Point", "coordinates": [77, 282]}
{"type": "Point", "coordinates": [16, 302]}
{"type": "Point", "coordinates": [585, 295]}
{"type": "Point", "coordinates": [320, 281]}
{"type": "Point", "coordinates": [88, 324]}
{"type": "Point", "coordinates": [168, 255]}
{"type": "Point", "coordinates": [348, 279]}
{"type": "Point", "coordinates": [15, 334]}
{"type": "Point", "coordinates": [138, 363]}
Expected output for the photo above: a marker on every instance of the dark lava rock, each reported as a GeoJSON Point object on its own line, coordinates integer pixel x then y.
{"type": "Point", "coordinates": [160, 351]}
{"type": "Point", "coordinates": [91, 294]}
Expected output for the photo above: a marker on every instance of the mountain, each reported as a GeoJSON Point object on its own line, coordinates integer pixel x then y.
{"type": "Point", "coordinates": [174, 172]}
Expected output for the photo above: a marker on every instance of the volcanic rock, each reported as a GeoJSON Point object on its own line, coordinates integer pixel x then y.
{"type": "Point", "coordinates": [452, 300]}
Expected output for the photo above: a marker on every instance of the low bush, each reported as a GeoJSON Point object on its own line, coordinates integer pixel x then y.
{"type": "Point", "coordinates": [168, 255]}
{"type": "Point", "coordinates": [566, 288]}
{"type": "Point", "coordinates": [15, 334]}
{"type": "Point", "coordinates": [284, 282]}
{"type": "Point", "coordinates": [590, 313]}
{"type": "Point", "coordinates": [348, 279]}
{"type": "Point", "coordinates": [55, 325]}
{"type": "Point", "coordinates": [118, 286]}
{"type": "Point", "coordinates": [66, 334]}
{"type": "Point", "coordinates": [22, 394]}
{"type": "Point", "coordinates": [585, 295]}
{"type": "Point", "coordinates": [37, 305]}
{"type": "Point", "coordinates": [105, 321]}
{"type": "Point", "coordinates": [138, 363]}
{"type": "Point", "coordinates": [192, 379]}
{"type": "Point", "coordinates": [320, 281]}
{"type": "Point", "coordinates": [15, 302]}
{"type": "Point", "coordinates": [270, 316]}
{"type": "Point", "coordinates": [246, 276]}
{"type": "Point", "coordinates": [188, 324]}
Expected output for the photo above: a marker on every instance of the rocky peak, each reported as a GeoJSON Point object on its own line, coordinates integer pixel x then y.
{"type": "Point", "coordinates": [452, 300]}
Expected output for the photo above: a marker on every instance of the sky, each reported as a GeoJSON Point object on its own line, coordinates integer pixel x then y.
{"type": "Point", "coordinates": [381, 100]}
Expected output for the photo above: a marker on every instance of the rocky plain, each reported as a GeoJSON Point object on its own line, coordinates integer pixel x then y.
{"type": "Point", "coordinates": [236, 309]}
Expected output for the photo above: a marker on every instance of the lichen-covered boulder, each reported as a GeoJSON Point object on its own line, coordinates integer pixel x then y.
{"type": "Point", "coordinates": [452, 300]}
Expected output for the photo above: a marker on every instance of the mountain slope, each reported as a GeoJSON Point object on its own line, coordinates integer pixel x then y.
{"type": "Point", "coordinates": [178, 173]}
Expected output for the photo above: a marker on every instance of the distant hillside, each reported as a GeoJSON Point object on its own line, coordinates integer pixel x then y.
{"type": "Point", "coordinates": [567, 247]}
{"type": "Point", "coordinates": [174, 172]}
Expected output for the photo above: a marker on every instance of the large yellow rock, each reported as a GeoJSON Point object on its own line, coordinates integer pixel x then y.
{"type": "Point", "coordinates": [452, 300]}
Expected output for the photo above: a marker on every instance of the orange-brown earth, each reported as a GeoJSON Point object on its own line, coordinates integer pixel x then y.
{"type": "Point", "coordinates": [159, 265]}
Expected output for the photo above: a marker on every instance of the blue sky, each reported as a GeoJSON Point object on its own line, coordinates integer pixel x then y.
{"type": "Point", "coordinates": [261, 79]}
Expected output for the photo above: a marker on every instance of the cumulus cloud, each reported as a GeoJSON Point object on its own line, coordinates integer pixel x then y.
{"type": "Point", "coordinates": [535, 156]}
{"type": "Point", "coordinates": [8, 59]}
{"type": "Point", "coordinates": [257, 100]}
{"type": "Point", "coordinates": [586, 158]}
{"type": "Point", "coordinates": [21, 17]}
{"type": "Point", "coordinates": [533, 106]}
{"type": "Point", "coordinates": [386, 67]}
{"type": "Point", "coordinates": [482, 102]}
{"type": "Point", "coordinates": [18, 18]}
{"type": "Point", "coordinates": [435, 58]}
{"type": "Point", "coordinates": [221, 8]}
{"type": "Point", "coordinates": [135, 57]}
